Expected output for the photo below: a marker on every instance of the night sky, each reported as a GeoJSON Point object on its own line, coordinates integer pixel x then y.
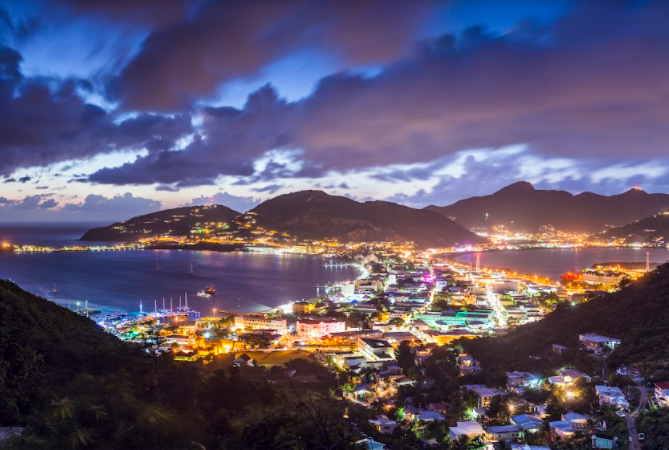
{"type": "Point", "coordinates": [110, 109]}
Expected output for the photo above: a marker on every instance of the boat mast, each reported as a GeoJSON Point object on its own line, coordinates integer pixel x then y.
{"type": "Point", "coordinates": [191, 268]}
{"type": "Point", "coordinates": [186, 297]}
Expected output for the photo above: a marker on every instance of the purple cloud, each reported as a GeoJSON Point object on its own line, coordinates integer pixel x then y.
{"type": "Point", "coordinates": [591, 86]}
{"type": "Point", "coordinates": [47, 120]}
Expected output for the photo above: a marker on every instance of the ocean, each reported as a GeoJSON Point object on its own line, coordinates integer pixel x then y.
{"type": "Point", "coordinates": [119, 281]}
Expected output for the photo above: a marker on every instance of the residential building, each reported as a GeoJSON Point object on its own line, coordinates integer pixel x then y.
{"type": "Point", "coordinates": [611, 395]}
{"type": "Point", "coordinates": [596, 343]}
{"type": "Point", "coordinates": [471, 429]}
{"type": "Point", "coordinates": [527, 423]}
{"type": "Point", "coordinates": [662, 393]}
{"type": "Point", "coordinates": [521, 380]}
{"type": "Point", "coordinates": [376, 349]}
{"type": "Point", "coordinates": [502, 433]}
{"type": "Point", "coordinates": [383, 424]}
{"type": "Point", "coordinates": [567, 377]}
{"type": "Point", "coordinates": [485, 394]}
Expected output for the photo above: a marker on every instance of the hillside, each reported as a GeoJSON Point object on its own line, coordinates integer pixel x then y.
{"type": "Point", "coordinates": [521, 207]}
{"type": "Point", "coordinates": [315, 215]}
{"type": "Point", "coordinates": [175, 222]}
{"type": "Point", "coordinates": [638, 315]}
{"type": "Point", "coordinates": [649, 230]}
{"type": "Point", "coordinates": [71, 385]}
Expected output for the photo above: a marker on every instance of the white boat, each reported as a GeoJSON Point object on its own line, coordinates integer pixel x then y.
{"type": "Point", "coordinates": [203, 294]}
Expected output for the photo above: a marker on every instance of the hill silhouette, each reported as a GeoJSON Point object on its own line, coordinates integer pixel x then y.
{"type": "Point", "coordinates": [521, 207]}
{"type": "Point", "coordinates": [315, 215]}
{"type": "Point", "coordinates": [175, 222]}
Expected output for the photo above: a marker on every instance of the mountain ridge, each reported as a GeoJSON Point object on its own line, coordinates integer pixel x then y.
{"type": "Point", "coordinates": [178, 221]}
{"type": "Point", "coordinates": [317, 215]}
{"type": "Point", "coordinates": [522, 207]}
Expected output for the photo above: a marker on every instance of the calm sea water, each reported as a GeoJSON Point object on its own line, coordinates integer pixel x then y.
{"type": "Point", "coordinates": [552, 263]}
{"type": "Point", "coordinates": [120, 280]}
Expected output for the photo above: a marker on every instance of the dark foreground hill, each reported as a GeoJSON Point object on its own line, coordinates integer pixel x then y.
{"type": "Point", "coordinates": [522, 207]}
{"type": "Point", "coordinates": [638, 315]}
{"type": "Point", "coordinates": [73, 386]}
{"type": "Point", "coordinates": [315, 215]}
{"type": "Point", "coordinates": [174, 222]}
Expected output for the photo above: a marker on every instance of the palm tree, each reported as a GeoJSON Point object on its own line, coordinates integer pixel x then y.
{"type": "Point", "coordinates": [78, 438]}
{"type": "Point", "coordinates": [98, 412]}
{"type": "Point", "coordinates": [62, 408]}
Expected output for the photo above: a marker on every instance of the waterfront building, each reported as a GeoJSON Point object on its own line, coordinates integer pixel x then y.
{"type": "Point", "coordinates": [303, 307]}
{"type": "Point", "coordinates": [607, 277]}
{"type": "Point", "coordinates": [245, 322]}
{"type": "Point", "coordinates": [318, 328]}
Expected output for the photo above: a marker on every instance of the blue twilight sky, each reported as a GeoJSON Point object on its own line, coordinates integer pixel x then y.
{"type": "Point", "coordinates": [112, 109]}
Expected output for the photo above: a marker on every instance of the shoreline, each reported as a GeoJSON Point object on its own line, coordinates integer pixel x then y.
{"type": "Point", "coordinates": [451, 257]}
{"type": "Point", "coordinates": [247, 306]}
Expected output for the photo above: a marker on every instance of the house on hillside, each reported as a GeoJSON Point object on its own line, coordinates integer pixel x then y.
{"type": "Point", "coordinates": [471, 429]}
{"type": "Point", "coordinates": [611, 395]}
{"type": "Point", "coordinates": [662, 393]}
{"type": "Point", "coordinates": [243, 360]}
{"type": "Point", "coordinates": [597, 343]}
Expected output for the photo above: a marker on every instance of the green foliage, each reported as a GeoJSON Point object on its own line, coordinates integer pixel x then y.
{"type": "Point", "coordinates": [74, 386]}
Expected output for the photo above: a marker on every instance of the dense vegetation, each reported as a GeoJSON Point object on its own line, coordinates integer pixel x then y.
{"type": "Point", "coordinates": [73, 386]}
{"type": "Point", "coordinates": [638, 315]}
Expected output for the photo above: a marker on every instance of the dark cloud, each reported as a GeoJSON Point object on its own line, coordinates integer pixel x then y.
{"type": "Point", "coordinates": [271, 188]}
{"type": "Point", "coordinates": [237, 203]}
{"type": "Point", "coordinates": [47, 204]}
{"type": "Point", "coordinates": [126, 203]}
{"type": "Point", "coordinates": [592, 85]}
{"type": "Point", "coordinates": [140, 12]}
{"type": "Point", "coordinates": [47, 120]}
{"type": "Point", "coordinates": [33, 202]}
{"type": "Point", "coordinates": [226, 40]}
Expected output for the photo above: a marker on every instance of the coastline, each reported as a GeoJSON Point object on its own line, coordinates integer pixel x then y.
{"type": "Point", "coordinates": [454, 257]}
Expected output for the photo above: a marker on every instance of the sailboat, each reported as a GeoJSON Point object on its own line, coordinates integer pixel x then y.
{"type": "Point", "coordinates": [191, 268]}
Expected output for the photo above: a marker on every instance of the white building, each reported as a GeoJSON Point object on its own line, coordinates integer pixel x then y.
{"type": "Point", "coordinates": [597, 343]}
{"type": "Point", "coordinates": [245, 322]}
{"type": "Point", "coordinates": [471, 429]}
{"type": "Point", "coordinates": [611, 395]}
{"type": "Point", "coordinates": [317, 328]}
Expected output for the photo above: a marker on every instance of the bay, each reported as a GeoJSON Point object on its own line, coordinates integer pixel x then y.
{"type": "Point", "coordinates": [119, 280]}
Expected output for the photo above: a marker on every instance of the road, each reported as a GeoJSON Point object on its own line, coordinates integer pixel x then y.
{"type": "Point", "coordinates": [635, 444]}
